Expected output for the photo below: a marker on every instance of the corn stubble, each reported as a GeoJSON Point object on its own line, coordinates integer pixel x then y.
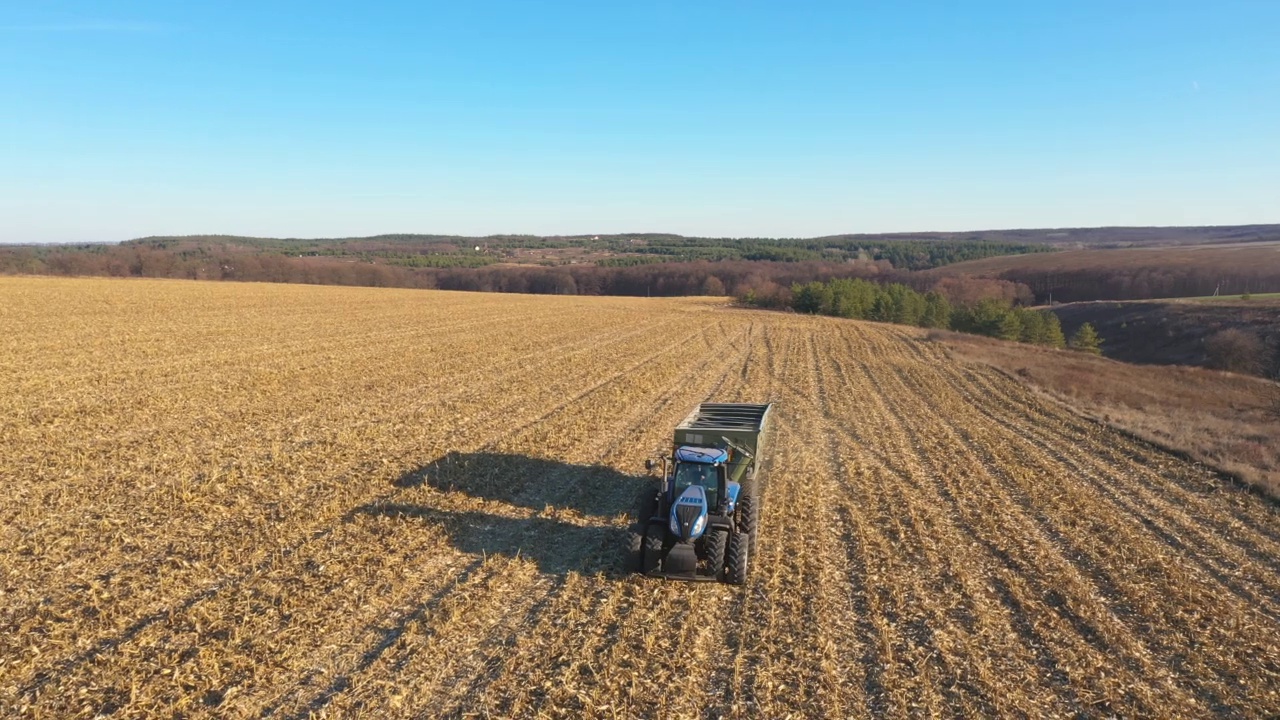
{"type": "Point", "coordinates": [232, 500]}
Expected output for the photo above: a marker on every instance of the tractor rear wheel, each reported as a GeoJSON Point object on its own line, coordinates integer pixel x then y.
{"type": "Point", "coordinates": [653, 537]}
{"type": "Point", "coordinates": [735, 565]}
{"type": "Point", "coordinates": [717, 540]}
{"type": "Point", "coordinates": [748, 517]}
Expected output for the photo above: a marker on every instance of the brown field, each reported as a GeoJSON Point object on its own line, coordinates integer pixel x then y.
{"type": "Point", "coordinates": [230, 500]}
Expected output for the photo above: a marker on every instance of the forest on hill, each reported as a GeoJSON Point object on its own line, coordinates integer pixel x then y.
{"type": "Point", "coordinates": [1023, 266]}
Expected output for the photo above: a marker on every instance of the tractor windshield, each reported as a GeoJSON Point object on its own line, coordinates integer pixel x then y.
{"type": "Point", "coordinates": [708, 476]}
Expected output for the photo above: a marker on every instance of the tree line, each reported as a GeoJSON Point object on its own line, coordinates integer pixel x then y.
{"type": "Point", "coordinates": [897, 303]}
{"type": "Point", "coordinates": [455, 251]}
{"type": "Point", "coordinates": [767, 281]}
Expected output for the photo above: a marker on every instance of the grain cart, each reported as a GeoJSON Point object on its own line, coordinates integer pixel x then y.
{"type": "Point", "coordinates": [701, 522]}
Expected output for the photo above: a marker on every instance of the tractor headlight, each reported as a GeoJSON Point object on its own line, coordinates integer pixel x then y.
{"type": "Point", "coordinates": [698, 524]}
{"type": "Point", "coordinates": [674, 524]}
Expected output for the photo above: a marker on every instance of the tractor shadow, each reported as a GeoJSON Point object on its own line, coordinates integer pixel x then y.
{"type": "Point", "coordinates": [534, 483]}
{"type": "Point", "coordinates": [593, 539]}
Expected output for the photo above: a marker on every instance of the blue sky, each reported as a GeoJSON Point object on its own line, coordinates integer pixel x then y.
{"type": "Point", "coordinates": [120, 119]}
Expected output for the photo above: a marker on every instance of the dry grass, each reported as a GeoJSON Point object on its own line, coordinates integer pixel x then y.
{"type": "Point", "coordinates": [1226, 420]}
{"type": "Point", "coordinates": [262, 500]}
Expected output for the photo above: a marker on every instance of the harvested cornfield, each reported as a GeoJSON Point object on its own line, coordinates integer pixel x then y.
{"type": "Point", "coordinates": [227, 500]}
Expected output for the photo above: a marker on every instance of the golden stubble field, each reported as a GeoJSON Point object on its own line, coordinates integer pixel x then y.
{"type": "Point", "coordinates": [227, 500]}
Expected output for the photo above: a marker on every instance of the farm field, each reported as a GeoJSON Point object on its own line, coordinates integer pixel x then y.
{"type": "Point", "coordinates": [243, 500]}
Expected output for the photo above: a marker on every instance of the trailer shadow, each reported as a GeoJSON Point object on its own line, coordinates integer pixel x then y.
{"type": "Point", "coordinates": [565, 517]}
{"type": "Point", "coordinates": [534, 483]}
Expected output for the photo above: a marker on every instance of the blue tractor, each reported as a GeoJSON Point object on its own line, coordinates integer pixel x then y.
{"type": "Point", "coordinates": [701, 523]}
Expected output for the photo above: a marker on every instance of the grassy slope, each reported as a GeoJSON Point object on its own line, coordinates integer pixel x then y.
{"type": "Point", "coordinates": [1172, 332]}
{"type": "Point", "coordinates": [1222, 419]}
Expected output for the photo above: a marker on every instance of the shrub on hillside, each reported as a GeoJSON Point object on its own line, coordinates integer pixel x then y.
{"type": "Point", "coordinates": [1236, 350]}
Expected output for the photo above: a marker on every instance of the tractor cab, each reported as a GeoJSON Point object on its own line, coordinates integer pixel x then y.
{"type": "Point", "coordinates": [705, 468]}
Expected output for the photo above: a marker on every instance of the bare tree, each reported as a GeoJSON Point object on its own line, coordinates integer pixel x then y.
{"type": "Point", "coordinates": [1236, 350]}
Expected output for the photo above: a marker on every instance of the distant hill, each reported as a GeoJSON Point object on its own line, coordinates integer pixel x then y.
{"type": "Point", "coordinates": [1102, 237]}
{"type": "Point", "coordinates": [1096, 237]}
{"type": "Point", "coordinates": [422, 250]}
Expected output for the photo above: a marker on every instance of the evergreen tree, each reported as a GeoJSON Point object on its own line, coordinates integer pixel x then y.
{"type": "Point", "coordinates": [1086, 340]}
{"type": "Point", "coordinates": [984, 318]}
{"type": "Point", "coordinates": [852, 298]}
{"type": "Point", "coordinates": [882, 308]}
{"type": "Point", "coordinates": [813, 297]}
{"type": "Point", "coordinates": [1009, 326]}
{"type": "Point", "coordinates": [937, 311]}
{"type": "Point", "coordinates": [1053, 331]}
{"type": "Point", "coordinates": [909, 305]}
{"type": "Point", "coordinates": [1033, 327]}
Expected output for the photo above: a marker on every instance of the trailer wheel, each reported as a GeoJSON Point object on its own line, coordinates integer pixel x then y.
{"type": "Point", "coordinates": [735, 565]}
{"type": "Point", "coordinates": [716, 541]}
{"type": "Point", "coordinates": [653, 539]}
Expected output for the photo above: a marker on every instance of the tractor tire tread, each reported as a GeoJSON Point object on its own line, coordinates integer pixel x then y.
{"type": "Point", "coordinates": [736, 562]}
{"type": "Point", "coordinates": [717, 542]}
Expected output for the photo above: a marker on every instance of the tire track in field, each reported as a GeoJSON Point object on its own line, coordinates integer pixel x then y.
{"type": "Point", "coordinates": [987, 519]}
{"type": "Point", "coordinates": [1213, 499]}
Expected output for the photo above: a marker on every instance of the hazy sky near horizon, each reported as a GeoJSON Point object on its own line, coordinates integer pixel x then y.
{"type": "Point", "coordinates": [127, 118]}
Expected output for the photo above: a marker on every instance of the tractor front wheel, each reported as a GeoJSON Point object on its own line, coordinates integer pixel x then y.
{"type": "Point", "coordinates": [735, 565]}
{"type": "Point", "coordinates": [646, 505]}
{"type": "Point", "coordinates": [653, 537]}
